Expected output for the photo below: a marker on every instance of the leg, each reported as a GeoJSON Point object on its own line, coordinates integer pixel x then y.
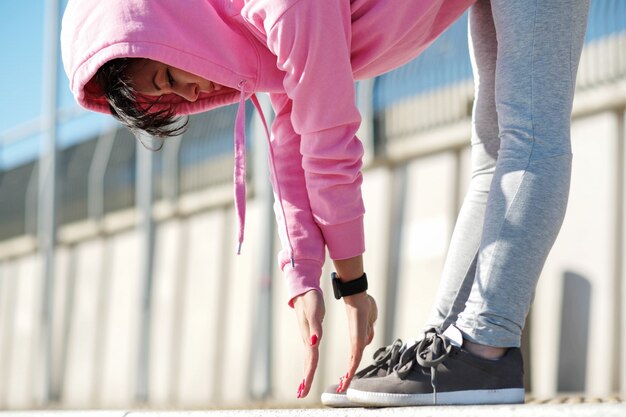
{"type": "Point", "coordinates": [539, 45]}
{"type": "Point", "coordinates": [460, 266]}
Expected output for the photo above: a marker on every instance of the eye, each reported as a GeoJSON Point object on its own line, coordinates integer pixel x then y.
{"type": "Point", "coordinates": [170, 79]}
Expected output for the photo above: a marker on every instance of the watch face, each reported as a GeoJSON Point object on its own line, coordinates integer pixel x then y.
{"type": "Point", "coordinates": [335, 281]}
{"type": "Point", "coordinates": [341, 289]}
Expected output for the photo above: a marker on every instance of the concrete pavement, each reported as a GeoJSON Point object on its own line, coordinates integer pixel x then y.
{"type": "Point", "coordinates": [614, 408]}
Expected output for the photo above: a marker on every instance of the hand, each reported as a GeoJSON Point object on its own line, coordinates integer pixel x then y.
{"type": "Point", "coordinates": [310, 312]}
{"type": "Point", "coordinates": [362, 314]}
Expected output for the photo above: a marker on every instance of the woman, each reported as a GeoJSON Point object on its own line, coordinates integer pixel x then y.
{"type": "Point", "coordinates": [306, 54]}
{"type": "Point", "coordinates": [525, 56]}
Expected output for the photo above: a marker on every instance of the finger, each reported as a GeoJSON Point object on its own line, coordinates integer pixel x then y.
{"type": "Point", "coordinates": [314, 315]}
{"type": "Point", "coordinates": [303, 325]}
{"type": "Point", "coordinates": [373, 316]}
{"type": "Point", "coordinates": [373, 312]}
{"type": "Point", "coordinates": [370, 335]}
{"type": "Point", "coordinates": [361, 315]}
{"type": "Point", "coordinates": [311, 362]}
{"type": "Point", "coordinates": [316, 332]}
{"type": "Point", "coordinates": [355, 360]}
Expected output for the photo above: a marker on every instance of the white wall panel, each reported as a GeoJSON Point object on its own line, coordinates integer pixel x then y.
{"type": "Point", "coordinates": [8, 287]}
{"type": "Point", "coordinates": [427, 228]}
{"type": "Point", "coordinates": [60, 310]}
{"type": "Point", "coordinates": [167, 279]}
{"type": "Point", "coordinates": [80, 372]}
{"type": "Point", "coordinates": [239, 284]}
{"type": "Point", "coordinates": [205, 262]}
{"type": "Point", "coordinates": [21, 385]}
{"type": "Point", "coordinates": [121, 322]}
{"type": "Point", "coordinates": [576, 341]}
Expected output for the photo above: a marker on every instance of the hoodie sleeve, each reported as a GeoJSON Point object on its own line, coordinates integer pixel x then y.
{"type": "Point", "coordinates": [311, 40]}
{"type": "Point", "coordinates": [298, 230]}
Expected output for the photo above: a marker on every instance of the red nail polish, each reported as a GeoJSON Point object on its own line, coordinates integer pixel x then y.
{"type": "Point", "coordinates": [313, 340]}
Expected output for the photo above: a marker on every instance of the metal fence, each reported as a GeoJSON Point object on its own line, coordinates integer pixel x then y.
{"type": "Point", "coordinates": [440, 77]}
{"type": "Point", "coordinates": [17, 200]}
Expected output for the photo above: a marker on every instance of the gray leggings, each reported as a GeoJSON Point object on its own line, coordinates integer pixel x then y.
{"type": "Point", "coordinates": [525, 56]}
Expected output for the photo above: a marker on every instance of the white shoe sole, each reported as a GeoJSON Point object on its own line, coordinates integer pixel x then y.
{"type": "Point", "coordinates": [384, 399]}
{"type": "Point", "coordinates": [337, 400]}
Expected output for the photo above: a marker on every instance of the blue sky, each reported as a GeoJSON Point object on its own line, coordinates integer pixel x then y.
{"type": "Point", "coordinates": [22, 60]}
{"type": "Point", "coordinates": [21, 75]}
{"type": "Point", "coordinates": [21, 41]}
{"type": "Point", "coordinates": [21, 35]}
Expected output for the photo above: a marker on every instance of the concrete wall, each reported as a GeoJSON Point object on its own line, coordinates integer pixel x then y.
{"type": "Point", "coordinates": [576, 314]}
{"type": "Point", "coordinates": [207, 326]}
{"type": "Point", "coordinates": [204, 296]}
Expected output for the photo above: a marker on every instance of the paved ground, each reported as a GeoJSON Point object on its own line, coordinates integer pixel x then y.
{"type": "Point", "coordinates": [562, 407]}
{"type": "Point", "coordinates": [547, 410]}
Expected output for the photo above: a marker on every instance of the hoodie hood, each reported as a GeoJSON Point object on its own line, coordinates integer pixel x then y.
{"type": "Point", "coordinates": [203, 37]}
{"type": "Point", "coordinates": [207, 38]}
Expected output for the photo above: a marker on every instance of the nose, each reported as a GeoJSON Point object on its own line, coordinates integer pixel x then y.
{"type": "Point", "coordinates": [189, 91]}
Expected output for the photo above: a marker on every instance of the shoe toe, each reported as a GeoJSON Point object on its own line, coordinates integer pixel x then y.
{"type": "Point", "coordinates": [330, 398]}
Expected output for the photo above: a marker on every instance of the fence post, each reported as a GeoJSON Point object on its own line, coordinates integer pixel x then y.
{"type": "Point", "coordinates": [47, 199]}
{"type": "Point", "coordinates": [145, 225]}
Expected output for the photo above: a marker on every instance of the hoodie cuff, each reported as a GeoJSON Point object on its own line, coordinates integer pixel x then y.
{"type": "Point", "coordinates": [304, 277]}
{"type": "Point", "coordinates": [345, 240]}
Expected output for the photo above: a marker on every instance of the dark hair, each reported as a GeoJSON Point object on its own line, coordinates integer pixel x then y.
{"type": "Point", "coordinates": [121, 95]}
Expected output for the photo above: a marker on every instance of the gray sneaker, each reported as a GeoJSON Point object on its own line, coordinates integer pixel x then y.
{"type": "Point", "coordinates": [437, 370]}
{"type": "Point", "coordinates": [385, 359]}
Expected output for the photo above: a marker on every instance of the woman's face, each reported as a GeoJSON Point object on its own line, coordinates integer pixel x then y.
{"type": "Point", "coordinates": [154, 78]}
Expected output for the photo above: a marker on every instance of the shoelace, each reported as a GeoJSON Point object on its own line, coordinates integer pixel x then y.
{"type": "Point", "coordinates": [429, 352]}
{"type": "Point", "coordinates": [386, 358]}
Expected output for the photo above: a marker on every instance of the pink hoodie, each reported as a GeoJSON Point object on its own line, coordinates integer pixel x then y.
{"type": "Point", "coordinates": [307, 55]}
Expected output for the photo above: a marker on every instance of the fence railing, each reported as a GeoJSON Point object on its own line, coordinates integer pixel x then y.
{"type": "Point", "coordinates": [433, 90]}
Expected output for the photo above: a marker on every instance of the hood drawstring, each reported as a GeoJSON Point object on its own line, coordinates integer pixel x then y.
{"type": "Point", "coordinates": [239, 175]}
{"type": "Point", "coordinates": [240, 167]}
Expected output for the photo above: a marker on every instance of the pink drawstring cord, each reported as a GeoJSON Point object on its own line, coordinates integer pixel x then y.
{"type": "Point", "coordinates": [240, 167]}
{"type": "Point", "coordinates": [239, 177]}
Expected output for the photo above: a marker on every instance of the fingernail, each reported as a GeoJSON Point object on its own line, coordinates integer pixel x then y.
{"type": "Point", "coordinates": [340, 386]}
{"type": "Point", "coordinates": [301, 389]}
{"type": "Point", "coordinates": [313, 340]}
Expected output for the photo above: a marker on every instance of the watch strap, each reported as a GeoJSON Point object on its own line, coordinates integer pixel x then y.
{"type": "Point", "coordinates": [344, 289]}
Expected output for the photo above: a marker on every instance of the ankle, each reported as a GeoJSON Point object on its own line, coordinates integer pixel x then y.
{"type": "Point", "coordinates": [484, 351]}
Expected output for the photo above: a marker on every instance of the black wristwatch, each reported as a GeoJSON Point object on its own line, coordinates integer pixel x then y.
{"type": "Point", "coordinates": [344, 289]}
